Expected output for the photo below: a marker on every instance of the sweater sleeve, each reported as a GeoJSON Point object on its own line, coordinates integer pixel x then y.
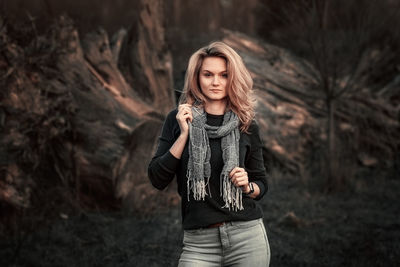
{"type": "Point", "coordinates": [255, 162]}
{"type": "Point", "coordinates": [163, 165]}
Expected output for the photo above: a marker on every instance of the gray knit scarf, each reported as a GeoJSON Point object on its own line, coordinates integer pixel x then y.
{"type": "Point", "coordinates": [199, 168]}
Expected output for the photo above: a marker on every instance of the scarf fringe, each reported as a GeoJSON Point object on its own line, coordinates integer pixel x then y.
{"type": "Point", "coordinates": [231, 194]}
{"type": "Point", "coordinates": [198, 187]}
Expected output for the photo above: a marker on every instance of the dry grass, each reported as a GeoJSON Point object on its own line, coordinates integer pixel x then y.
{"type": "Point", "coordinates": [354, 228]}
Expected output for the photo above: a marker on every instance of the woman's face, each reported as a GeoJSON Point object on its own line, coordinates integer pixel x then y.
{"type": "Point", "coordinates": [213, 78]}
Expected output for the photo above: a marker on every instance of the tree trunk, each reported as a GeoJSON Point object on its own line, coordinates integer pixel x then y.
{"type": "Point", "coordinates": [332, 182]}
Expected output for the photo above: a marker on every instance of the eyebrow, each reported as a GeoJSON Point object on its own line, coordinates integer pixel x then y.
{"type": "Point", "coordinates": [213, 72]}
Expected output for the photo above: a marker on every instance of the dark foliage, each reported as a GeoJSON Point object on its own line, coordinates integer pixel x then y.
{"type": "Point", "coordinates": [358, 228]}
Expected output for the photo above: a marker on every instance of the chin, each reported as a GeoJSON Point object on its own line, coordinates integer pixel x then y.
{"type": "Point", "coordinates": [216, 98]}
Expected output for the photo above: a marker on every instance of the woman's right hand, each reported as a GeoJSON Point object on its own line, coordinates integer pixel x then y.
{"type": "Point", "coordinates": [183, 116]}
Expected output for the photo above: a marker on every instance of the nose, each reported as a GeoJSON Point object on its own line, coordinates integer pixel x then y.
{"type": "Point", "coordinates": [215, 80]}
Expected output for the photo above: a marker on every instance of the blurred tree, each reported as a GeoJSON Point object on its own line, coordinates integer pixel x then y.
{"type": "Point", "coordinates": [337, 37]}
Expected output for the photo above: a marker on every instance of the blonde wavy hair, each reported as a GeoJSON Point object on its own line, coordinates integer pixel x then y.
{"type": "Point", "coordinates": [239, 85]}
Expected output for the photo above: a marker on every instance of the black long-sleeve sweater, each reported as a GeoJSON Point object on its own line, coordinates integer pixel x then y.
{"type": "Point", "coordinates": [199, 214]}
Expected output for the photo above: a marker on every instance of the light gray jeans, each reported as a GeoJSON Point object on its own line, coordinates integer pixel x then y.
{"type": "Point", "coordinates": [243, 243]}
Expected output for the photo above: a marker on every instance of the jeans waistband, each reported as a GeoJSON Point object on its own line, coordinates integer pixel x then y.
{"type": "Point", "coordinates": [232, 223]}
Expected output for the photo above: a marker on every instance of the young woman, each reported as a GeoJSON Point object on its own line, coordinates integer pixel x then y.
{"type": "Point", "coordinates": [212, 144]}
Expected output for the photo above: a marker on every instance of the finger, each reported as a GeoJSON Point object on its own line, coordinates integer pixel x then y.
{"type": "Point", "coordinates": [238, 175]}
{"type": "Point", "coordinates": [184, 106]}
{"type": "Point", "coordinates": [185, 117]}
{"type": "Point", "coordinates": [185, 111]}
{"type": "Point", "coordinates": [240, 179]}
{"type": "Point", "coordinates": [182, 111]}
{"type": "Point", "coordinates": [242, 183]}
{"type": "Point", "coordinates": [240, 172]}
{"type": "Point", "coordinates": [188, 117]}
{"type": "Point", "coordinates": [236, 169]}
{"type": "Point", "coordinates": [180, 108]}
{"type": "Point", "coordinates": [239, 183]}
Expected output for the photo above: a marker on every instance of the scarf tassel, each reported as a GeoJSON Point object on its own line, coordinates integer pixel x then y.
{"type": "Point", "coordinates": [198, 187]}
{"type": "Point", "coordinates": [231, 194]}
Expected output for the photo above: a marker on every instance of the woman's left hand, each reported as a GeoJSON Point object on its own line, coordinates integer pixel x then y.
{"type": "Point", "coordinates": [239, 178]}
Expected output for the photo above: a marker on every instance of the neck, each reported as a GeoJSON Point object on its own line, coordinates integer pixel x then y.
{"type": "Point", "coordinates": [215, 108]}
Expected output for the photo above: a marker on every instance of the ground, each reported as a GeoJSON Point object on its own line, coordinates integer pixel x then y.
{"type": "Point", "coordinates": [358, 227]}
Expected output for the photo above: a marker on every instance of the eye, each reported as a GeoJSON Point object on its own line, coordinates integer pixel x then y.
{"type": "Point", "coordinates": [207, 74]}
{"type": "Point", "coordinates": [225, 75]}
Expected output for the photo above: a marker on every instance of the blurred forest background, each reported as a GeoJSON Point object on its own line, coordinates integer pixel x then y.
{"type": "Point", "coordinates": [86, 85]}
